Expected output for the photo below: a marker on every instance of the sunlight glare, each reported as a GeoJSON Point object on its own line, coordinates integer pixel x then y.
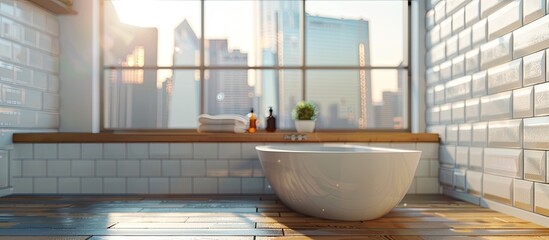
{"type": "Point", "coordinates": [143, 13]}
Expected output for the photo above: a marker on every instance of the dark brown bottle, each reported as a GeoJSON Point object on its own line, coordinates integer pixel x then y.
{"type": "Point", "coordinates": [252, 125]}
{"type": "Point", "coordinates": [271, 121]}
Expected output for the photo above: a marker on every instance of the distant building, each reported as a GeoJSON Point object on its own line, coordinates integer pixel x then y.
{"type": "Point", "coordinates": [279, 44]}
{"type": "Point", "coordinates": [391, 112]}
{"type": "Point", "coordinates": [130, 95]}
{"type": "Point", "coordinates": [184, 100]}
{"type": "Point", "coordinates": [344, 97]}
{"type": "Point", "coordinates": [347, 93]}
{"type": "Point", "coordinates": [387, 112]}
{"type": "Point", "coordinates": [227, 91]}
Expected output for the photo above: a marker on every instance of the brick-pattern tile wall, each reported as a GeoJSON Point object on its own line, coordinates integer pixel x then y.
{"type": "Point", "coordinates": [29, 83]}
{"type": "Point", "coordinates": [488, 97]}
{"type": "Point", "coordinates": [165, 168]}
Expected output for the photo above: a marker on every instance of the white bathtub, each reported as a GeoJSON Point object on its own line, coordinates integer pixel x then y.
{"type": "Point", "coordinates": [342, 182]}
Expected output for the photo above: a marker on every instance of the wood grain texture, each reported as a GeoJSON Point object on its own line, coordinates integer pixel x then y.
{"type": "Point", "coordinates": [186, 136]}
{"type": "Point", "coordinates": [55, 6]}
{"type": "Point", "coordinates": [177, 217]}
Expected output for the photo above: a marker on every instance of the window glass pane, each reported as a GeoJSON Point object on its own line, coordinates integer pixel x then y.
{"type": "Point", "coordinates": [288, 89]}
{"type": "Point", "coordinates": [356, 33]}
{"type": "Point", "coordinates": [279, 33]}
{"type": "Point", "coordinates": [133, 99]}
{"type": "Point", "coordinates": [390, 98]}
{"type": "Point", "coordinates": [229, 92]}
{"type": "Point", "coordinates": [253, 58]}
{"type": "Point", "coordinates": [183, 98]}
{"type": "Point", "coordinates": [237, 91]}
{"type": "Point", "coordinates": [252, 33]}
{"type": "Point", "coordinates": [351, 99]}
{"type": "Point", "coordinates": [151, 31]}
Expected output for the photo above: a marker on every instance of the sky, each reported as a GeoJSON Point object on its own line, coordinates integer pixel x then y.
{"type": "Point", "coordinates": [234, 20]}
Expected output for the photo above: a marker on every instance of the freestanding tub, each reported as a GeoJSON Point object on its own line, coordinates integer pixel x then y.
{"type": "Point", "coordinates": [341, 182]}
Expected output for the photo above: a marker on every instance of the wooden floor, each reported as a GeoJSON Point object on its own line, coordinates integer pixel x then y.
{"type": "Point", "coordinates": [244, 217]}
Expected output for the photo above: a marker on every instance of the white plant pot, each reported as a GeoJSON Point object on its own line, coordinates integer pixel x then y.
{"type": "Point", "coordinates": [304, 125]}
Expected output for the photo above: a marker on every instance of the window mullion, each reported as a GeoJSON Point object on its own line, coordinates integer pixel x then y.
{"type": "Point", "coordinates": [202, 60]}
{"type": "Point", "coordinates": [303, 52]}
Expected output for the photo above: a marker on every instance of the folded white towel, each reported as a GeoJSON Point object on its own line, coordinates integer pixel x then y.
{"type": "Point", "coordinates": [221, 128]}
{"type": "Point", "coordinates": [222, 119]}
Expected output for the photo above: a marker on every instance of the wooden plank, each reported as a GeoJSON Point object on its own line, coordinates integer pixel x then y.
{"type": "Point", "coordinates": [260, 219]}
{"type": "Point", "coordinates": [355, 225]}
{"type": "Point", "coordinates": [472, 219]}
{"type": "Point", "coordinates": [45, 238]}
{"type": "Point", "coordinates": [141, 232]}
{"type": "Point", "coordinates": [341, 238]}
{"type": "Point", "coordinates": [404, 238]}
{"type": "Point", "coordinates": [401, 225]}
{"type": "Point", "coordinates": [54, 6]}
{"type": "Point", "coordinates": [416, 232]}
{"type": "Point", "coordinates": [7, 224]}
{"type": "Point", "coordinates": [163, 225]}
{"type": "Point", "coordinates": [171, 238]}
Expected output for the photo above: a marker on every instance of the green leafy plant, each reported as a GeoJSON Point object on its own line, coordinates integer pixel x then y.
{"type": "Point", "coordinates": [305, 110]}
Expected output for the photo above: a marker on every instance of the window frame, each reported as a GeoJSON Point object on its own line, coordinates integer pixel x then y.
{"type": "Point", "coordinates": [303, 67]}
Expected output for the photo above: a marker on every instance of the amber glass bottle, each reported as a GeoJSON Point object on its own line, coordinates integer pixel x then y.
{"type": "Point", "coordinates": [271, 121]}
{"type": "Point", "coordinates": [252, 126]}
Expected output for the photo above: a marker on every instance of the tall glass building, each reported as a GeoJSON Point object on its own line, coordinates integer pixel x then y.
{"type": "Point", "coordinates": [185, 85]}
{"type": "Point", "coordinates": [278, 44]}
{"type": "Point", "coordinates": [343, 96]}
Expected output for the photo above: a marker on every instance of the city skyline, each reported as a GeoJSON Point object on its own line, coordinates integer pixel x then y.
{"type": "Point", "coordinates": [387, 24]}
{"type": "Point", "coordinates": [330, 41]}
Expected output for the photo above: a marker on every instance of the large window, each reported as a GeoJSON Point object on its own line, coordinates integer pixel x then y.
{"type": "Point", "coordinates": [167, 61]}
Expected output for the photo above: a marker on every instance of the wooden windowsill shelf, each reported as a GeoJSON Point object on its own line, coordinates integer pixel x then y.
{"type": "Point", "coordinates": [129, 137]}
{"type": "Point", "coordinates": [54, 6]}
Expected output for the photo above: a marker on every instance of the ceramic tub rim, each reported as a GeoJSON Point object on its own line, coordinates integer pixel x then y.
{"type": "Point", "coordinates": [330, 148]}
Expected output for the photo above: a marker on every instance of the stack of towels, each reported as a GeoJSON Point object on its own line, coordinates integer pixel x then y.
{"type": "Point", "coordinates": [222, 123]}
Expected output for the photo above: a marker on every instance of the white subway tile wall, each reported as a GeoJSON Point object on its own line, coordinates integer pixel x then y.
{"type": "Point", "coordinates": [505, 20]}
{"type": "Point", "coordinates": [523, 194]}
{"type": "Point", "coordinates": [465, 40]}
{"type": "Point", "coordinates": [505, 77]}
{"type": "Point", "coordinates": [465, 134]}
{"type": "Point", "coordinates": [496, 52]}
{"type": "Point", "coordinates": [541, 199]}
{"type": "Point", "coordinates": [523, 104]}
{"type": "Point", "coordinates": [541, 102]}
{"type": "Point", "coordinates": [476, 158]}
{"type": "Point", "coordinates": [532, 10]}
{"type": "Point", "coordinates": [472, 110]}
{"type": "Point", "coordinates": [472, 61]}
{"type": "Point", "coordinates": [459, 180]}
{"type": "Point", "coordinates": [533, 68]}
{"type": "Point", "coordinates": [506, 102]}
{"type": "Point", "coordinates": [503, 162]}
{"type": "Point", "coordinates": [478, 83]}
{"type": "Point", "coordinates": [497, 188]}
{"type": "Point", "coordinates": [534, 165]}
{"type": "Point", "coordinates": [473, 183]}
{"type": "Point", "coordinates": [193, 172]}
{"type": "Point", "coordinates": [29, 59]}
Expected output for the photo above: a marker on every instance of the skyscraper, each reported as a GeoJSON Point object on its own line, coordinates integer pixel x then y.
{"type": "Point", "coordinates": [226, 91]}
{"type": "Point", "coordinates": [344, 97]}
{"type": "Point", "coordinates": [130, 93]}
{"type": "Point", "coordinates": [279, 44]}
{"type": "Point", "coordinates": [345, 94]}
{"type": "Point", "coordinates": [184, 100]}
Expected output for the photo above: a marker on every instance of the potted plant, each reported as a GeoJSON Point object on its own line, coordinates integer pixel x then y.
{"type": "Point", "coordinates": [305, 114]}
